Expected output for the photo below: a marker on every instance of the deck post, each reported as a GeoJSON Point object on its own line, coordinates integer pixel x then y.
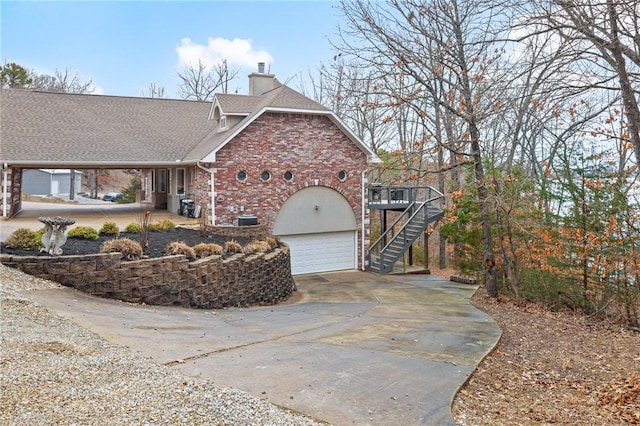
{"type": "Point", "coordinates": [426, 251]}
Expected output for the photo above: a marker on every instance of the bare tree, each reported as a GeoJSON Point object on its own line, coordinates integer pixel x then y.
{"type": "Point", "coordinates": [349, 90]}
{"type": "Point", "coordinates": [154, 91]}
{"type": "Point", "coordinates": [199, 82]}
{"type": "Point", "coordinates": [225, 74]}
{"type": "Point", "coordinates": [605, 38]}
{"type": "Point", "coordinates": [447, 41]}
{"type": "Point", "coordinates": [62, 82]}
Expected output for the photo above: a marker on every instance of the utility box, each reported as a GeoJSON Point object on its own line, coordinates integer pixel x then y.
{"type": "Point", "coordinates": [247, 219]}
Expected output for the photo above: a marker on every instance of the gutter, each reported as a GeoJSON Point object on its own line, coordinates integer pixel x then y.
{"type": "Point", "coordinates": [362, 232]}
{"type": "Point", "coordinates": [93, 164]}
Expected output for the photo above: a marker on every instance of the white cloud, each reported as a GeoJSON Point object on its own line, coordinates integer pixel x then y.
{"type": "Point", "coordinates": [96, 90]}
{"type": "Point", "coordinates": [237, 52]}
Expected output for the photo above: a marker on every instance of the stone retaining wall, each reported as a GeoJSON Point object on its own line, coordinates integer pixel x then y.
{"type": "Point", "coordinates": [209, 283]}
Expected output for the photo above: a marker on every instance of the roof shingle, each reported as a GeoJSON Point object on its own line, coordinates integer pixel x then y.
{"type": "Point", "coordinates": [57, 127]}
{"type": "Point", "coordinates": [44, 129]}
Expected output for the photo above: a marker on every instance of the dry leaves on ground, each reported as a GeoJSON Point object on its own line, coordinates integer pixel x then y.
{"type": "Point", "coordinates": [552, 368]}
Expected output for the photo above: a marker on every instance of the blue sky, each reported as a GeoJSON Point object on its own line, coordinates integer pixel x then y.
{"type": "Point", "coordinates": [126, 45]}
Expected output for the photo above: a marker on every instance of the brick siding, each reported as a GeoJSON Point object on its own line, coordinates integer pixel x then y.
{"type": "Point", "coordinates": [311, 147]}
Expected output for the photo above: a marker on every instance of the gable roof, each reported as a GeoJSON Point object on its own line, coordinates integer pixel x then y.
{"type": "Point", "coordinates": [280, 99]}
{"type": "Point", "coordinates": [53, 130]}
{"type": "Point", "coordinates": [47, 129]}
{"type": "Point", "coordinates": [236, 104]}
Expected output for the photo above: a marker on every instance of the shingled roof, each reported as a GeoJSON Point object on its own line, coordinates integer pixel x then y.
{"type": "Point", "coordinates": [45, 129]}
{"type": "Point", "coordinates": [54, 130]}
{"type": "Point", "coordinates": [280, 99]}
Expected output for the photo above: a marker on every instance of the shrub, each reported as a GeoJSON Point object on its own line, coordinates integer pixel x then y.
{"type": "Point", "coordinates": [133, 228]}
{"type": "Point", "coordinates": [166, 225]}
{"type": "Point", "coordinates": [207, 249]}
{"type": "Point", "coordinates": [109, 228]}
{"type": "Point", "coordinates": [257, 247]}
{"type": "Point", "coordinates": [130, 249]}
{"type": "Point", "coordinates": [551, 290]}
{"type": "Point", "coordinates": [25, 239]}
{"type": "Point", "coordinates": [232, 247]}
{"type": "Point", "coordinates": [273, 242]}
{"type": "Point", "coordinates": [144, 220]}
{"type": "Point", "coordinates": [163, 225]}
{"type": "Point", "coordinates": [129, 192]}
{"type": "Point", "coordinates": [83, 232]}
{"type": "Point", "coordinates": [178, 247]}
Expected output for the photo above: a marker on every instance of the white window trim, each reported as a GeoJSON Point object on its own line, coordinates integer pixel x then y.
{"type": "Point", "coordinates": [223, 122]}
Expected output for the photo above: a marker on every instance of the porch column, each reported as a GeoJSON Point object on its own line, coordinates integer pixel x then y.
{"type": "Point", "coordinates": [5, 183]}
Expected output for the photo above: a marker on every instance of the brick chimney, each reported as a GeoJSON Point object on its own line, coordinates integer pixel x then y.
{"type": "Point", "coordinates": [259, 82]}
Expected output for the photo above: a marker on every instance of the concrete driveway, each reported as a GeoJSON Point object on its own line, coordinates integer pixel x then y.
{"type": "Point", "coordinates": [350, 348]}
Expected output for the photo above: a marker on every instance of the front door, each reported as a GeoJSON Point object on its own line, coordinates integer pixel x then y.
{"type": "Point", "coordinates": [160, 185]}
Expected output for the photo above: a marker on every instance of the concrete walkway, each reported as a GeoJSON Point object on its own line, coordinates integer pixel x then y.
{"type": "Point", "coordinates": [350, 348]}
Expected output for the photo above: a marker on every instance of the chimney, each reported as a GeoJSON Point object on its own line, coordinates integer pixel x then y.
{"type": "Point", "coordinates": [259, 82]}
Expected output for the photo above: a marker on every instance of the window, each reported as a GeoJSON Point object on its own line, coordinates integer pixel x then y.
{"type": "Point", "coordinates": [161, 180]}
{"type": "Point", "coordinates": [223, 122]}
{"type": "Point", "coordinates": [180, 182]}
{"type": "Point", "coordinates": [241, 176]}
{"type": "Point", "coordinates": [342, 175]}
{"type": "Point", "coordinates": [288, 176]}
{"type": "Point", "coordinates": [266, 175]}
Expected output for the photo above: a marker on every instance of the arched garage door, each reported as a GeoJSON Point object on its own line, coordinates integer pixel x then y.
{"type": "Point", "coordinates": [319, 226]}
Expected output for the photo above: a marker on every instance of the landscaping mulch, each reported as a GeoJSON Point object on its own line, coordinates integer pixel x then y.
{"type": "Point", "coordinates": [158, 242]}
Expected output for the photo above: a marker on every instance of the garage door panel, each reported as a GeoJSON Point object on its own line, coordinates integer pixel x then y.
{"type": "Point", "coordinates": [331, 251]}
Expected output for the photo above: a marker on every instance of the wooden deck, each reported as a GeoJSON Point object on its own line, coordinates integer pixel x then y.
{"type": "Point", "coordinates": [399, 198]}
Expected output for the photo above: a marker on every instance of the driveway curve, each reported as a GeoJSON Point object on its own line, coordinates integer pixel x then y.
{"type": "Point", "coordinates": [350, 348]}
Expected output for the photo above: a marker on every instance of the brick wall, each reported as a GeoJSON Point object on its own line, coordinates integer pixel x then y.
{"type": "Point", "coordinates": [311, 147]}
{"type": "Point", "coordinates": [13, 191]}
{"type": "Point", "coordinates": [209, 283]}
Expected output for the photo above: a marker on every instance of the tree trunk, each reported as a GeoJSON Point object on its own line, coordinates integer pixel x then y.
{"type": "Point", "coordinates": [442, 243]}
{"type": "Point", "coordinates": [628, 97]}
{"type": "Point", "coordinates": [470, 117]}
{"type": "Point", "coordinates": [485, 216]}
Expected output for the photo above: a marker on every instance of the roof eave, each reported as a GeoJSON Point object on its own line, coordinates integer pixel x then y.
{"type": "Point", "coordinates": [94, 164]}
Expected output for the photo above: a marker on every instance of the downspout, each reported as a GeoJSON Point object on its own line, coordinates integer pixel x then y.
{"type": "Point", "coordinates": [212, 173]}
{"type": "Point", "coordinates": [362, 254]}
{"type": "Point", "coordinates": [5, 178]}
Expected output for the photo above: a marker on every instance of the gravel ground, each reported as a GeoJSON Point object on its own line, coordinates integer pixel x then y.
{"type": "Point", "coordinates": [54, 372]}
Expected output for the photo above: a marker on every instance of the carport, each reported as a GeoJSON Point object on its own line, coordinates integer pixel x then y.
{"type": "Point", "coordinates": [44, 130]}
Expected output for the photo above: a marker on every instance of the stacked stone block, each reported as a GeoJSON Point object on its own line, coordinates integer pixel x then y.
{"type": "Point", "coordinates": [209, 283]}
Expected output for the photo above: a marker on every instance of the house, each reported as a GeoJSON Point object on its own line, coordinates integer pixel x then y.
{"type": "Point", "coordinates": [50, 181]}
{"type": "Point", "coordinates": [273, 155]}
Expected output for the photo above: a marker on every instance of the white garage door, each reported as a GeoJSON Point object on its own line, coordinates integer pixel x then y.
{"type": "Point", "coordinates": [328, 251]}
